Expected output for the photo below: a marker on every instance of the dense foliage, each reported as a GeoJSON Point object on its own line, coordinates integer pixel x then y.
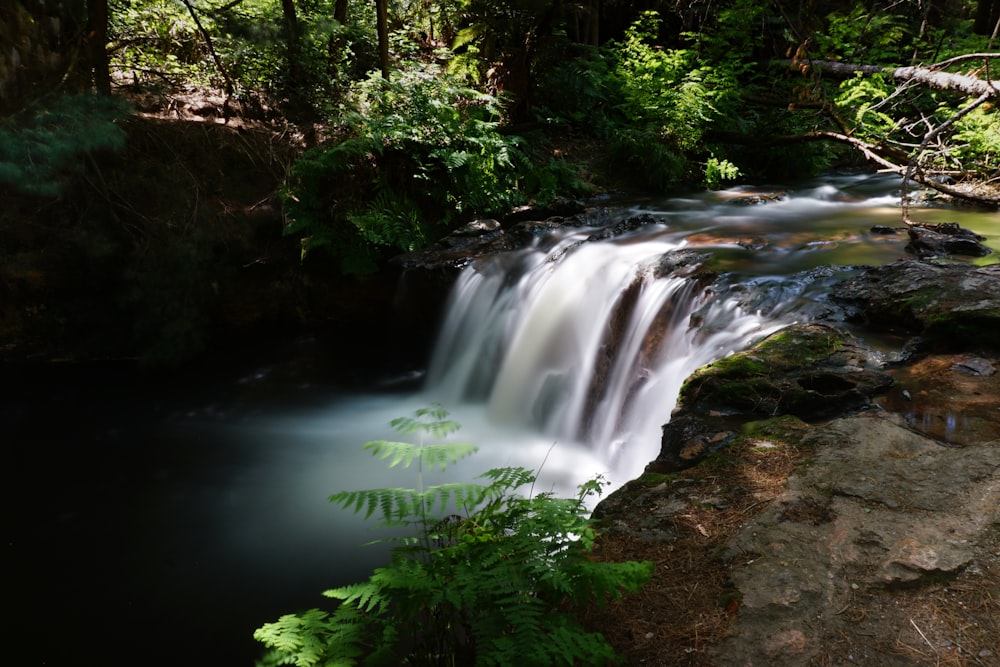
{"type": "Point", "coordinates": [418, 153]}
{"type": "Point", "coordinates": [480, 575]}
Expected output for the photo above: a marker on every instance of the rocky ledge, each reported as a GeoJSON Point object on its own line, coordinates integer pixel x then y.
{"type": "Point", "coordinates": [840, 510]}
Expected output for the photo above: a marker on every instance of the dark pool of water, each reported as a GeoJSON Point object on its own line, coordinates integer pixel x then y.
{"type": "Point", "coordinates": [114, 482]}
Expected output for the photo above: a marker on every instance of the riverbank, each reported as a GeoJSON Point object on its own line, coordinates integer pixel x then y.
{"type": "Point", "coordinates": [872, 537]}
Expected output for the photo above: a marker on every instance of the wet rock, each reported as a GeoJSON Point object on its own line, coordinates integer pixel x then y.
{"type": "Point", "coordinates": [454, 251]}
{"type": "Point", "coordinates": [944, 240]}
{"type": "Point", "coordinates": [682, 262]}
{"type": "Point", "coordinates": [559, 207]}
{"type": "Point", "coordinates": [811, 371]}
{"type": "Point", "coordinates": [526, 233]}
{"type": "Point", "coordinates": [975, 366]}
{"type": "Point", "coordinates": [627, 225]}
{"type": "Point", "coordinates": [757, 198]}
{"type": "Point", "coordinates": [948, 305]}
{"type": "Point", "coordinates": [883, 229]}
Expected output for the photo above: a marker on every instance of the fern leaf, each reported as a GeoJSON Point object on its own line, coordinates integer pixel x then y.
{"type": "Point", "coordinates": [396, 452]}
{"type": "Point", "coordinates": [440, 456]}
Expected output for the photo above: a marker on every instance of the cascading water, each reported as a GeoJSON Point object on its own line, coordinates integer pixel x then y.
{"type": "Point", "coordinates": [587, 341]}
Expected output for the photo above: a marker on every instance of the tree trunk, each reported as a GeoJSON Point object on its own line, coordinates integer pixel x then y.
{"type": "Point", "coordinates": [382, 18]}
{"type": "Point", "coordinates": [931, 77]}
{"type": "Point", "coordinates": [340, 12]}
{"type": "Point", "coordinates": [294, 47]}
{"type": "Point", "coordinates": [97, 45]}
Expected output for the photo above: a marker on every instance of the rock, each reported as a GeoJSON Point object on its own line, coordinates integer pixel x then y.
{"type": "Point", "coordinates": [944, 240]}
{"type": "Point", "coordinates": [975, 366]}
{"type": "Point", "coordinates": [947, 304]}
{"type": "Point", "coordinates": [757, 198]}
{"type": "Point", "coordinates": [900, 511]}
{"type": "Point", "coordinates": [810, 371]}
{"type": "Point", "coordinates": [560, 206]}
{"type": "Point", "coordinates": [883, 229]}
{"type": "Point", "coordinates": [457, 249]}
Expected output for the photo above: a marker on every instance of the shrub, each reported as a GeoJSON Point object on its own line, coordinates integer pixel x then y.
{"type": "Point", "coordinates": [489, 578]}
{"type": "Point", "coordinates": [421, 154]}
{"type": "Point", "coordinates": [42, 146]}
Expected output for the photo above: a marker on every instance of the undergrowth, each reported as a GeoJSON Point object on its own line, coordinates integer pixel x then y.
{"type": "Point", "coordinates": [480, 574]}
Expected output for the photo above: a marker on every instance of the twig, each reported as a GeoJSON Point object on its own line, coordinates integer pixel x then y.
{"type": "Point", "coordinates": [924, 637]}
{"type": "Point", "coordinates": [230, 86]}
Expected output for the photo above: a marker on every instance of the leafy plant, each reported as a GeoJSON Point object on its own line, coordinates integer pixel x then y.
{"type": "Point", "coordinates": [41, 146]}
{"type": "Point", "coordinates": [979, 137]}
{"type": "Point", "coordinates": [480, 575]}
{"type": "Point", "coordinates": [421, 154]}
{"type": "Point", "coordinates": [717, 171]}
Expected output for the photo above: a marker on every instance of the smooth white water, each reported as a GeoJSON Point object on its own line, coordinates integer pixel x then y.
{"type": "Point", "coordinates": [581, 343]}
{"type": "Point", "coordinates": [572, 352]}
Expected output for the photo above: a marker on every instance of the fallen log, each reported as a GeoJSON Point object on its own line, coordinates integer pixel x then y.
{"type": "Point", "coordinates": [932, 76]}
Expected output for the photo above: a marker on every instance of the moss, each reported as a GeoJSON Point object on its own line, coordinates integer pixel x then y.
{"type": "Point", "coordinates": [785, 428]}
{"type": "Point", "coordinates": [796, 347]}
{"type": "Point", "coordinates": [921, 299]}
{"type": "Point", "coordinates": [742, 364]}
{"type": "Point", "coordinates": [655, 478]}
{"type": "Point", "coordinates": [956, 327]}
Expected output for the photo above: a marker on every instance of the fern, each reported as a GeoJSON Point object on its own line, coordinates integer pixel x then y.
{"type": "Point", "coordinates": [487, 584]}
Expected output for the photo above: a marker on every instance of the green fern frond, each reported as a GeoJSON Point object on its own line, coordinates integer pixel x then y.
{"type": "Point", "coordinates": [297, 637]}
{"type": "Point", "coordinates": [485, 586]}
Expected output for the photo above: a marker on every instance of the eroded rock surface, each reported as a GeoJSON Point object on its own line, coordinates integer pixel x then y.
{"type": "Point", "coordinates": [888, 507]}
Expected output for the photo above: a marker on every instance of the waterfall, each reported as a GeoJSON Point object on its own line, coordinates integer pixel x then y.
{"type": "Point", "coordinates": [586, 341]}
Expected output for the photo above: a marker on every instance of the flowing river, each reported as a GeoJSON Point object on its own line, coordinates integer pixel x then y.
{"type": "Point", "coordinates": [161, 522]}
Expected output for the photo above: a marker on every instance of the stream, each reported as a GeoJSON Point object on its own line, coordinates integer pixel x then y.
{"type": "Point", "coordinates": [160, 520]}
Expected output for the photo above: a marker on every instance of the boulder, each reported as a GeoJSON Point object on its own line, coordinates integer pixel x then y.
{"type": "Point", "coordinates": [944, 240]}
{"type": "Point", "coordinates": [810, 371]}
{"type": "Point", "coordinates": [945, 305]}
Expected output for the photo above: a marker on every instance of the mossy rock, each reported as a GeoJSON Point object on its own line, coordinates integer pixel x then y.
{"type": "Point", "coordinates": [803, 373]}
{"type": "Point", "coordinates": [808, 370]}
{"type": "Point", "coordinates": [947, 305]}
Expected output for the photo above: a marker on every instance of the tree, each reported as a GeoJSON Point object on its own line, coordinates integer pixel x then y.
{"type": "Point", "coordinates": [936, 125]}
{"type": "Point", "coordinates": [382, 18]}
{"type": "Point", "coordinates": [987, 17]}
{"type": "Point", "coordinates": [52, 48]}
{"type": "Point", "coordinates": [96, 40]}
